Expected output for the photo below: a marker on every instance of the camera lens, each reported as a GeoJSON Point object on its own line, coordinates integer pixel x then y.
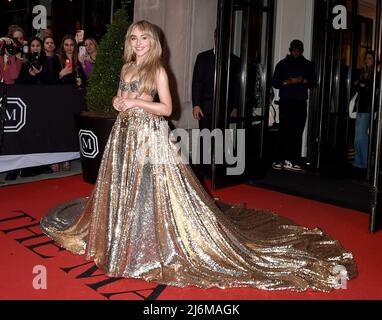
{"type": "Point", "coordinates": [12, 50]}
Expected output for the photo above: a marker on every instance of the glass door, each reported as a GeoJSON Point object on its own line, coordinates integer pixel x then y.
{"type": "Point", "coordinates": [340, 57]}
{"type": "Point", "coordinates": [241, 102]}
{"type": "Point", "coordinates": [375, 165]}
{"type": "Point", "coordinates": [331, 131]}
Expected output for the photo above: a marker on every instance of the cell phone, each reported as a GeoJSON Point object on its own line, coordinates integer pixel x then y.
{"type": "Point", "coordinates": [80, 36]}
{"type": "Point", "coordinates": [82, 51]}
{"type": "Point", "coordinates": [68, 63]}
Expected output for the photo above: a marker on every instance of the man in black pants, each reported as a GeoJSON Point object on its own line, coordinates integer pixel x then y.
{"type": "Point", "coordinates": [293, 76]}
{"type": "Point", "coordinates": [202, 100]}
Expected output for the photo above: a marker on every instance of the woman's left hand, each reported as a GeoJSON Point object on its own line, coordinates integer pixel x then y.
{"type": "Point", "coordinates": [33, 71]}
{"type": "Point", "coordinates": [36, 71]}
{"type": "Point", "coordinates": [126, 103]}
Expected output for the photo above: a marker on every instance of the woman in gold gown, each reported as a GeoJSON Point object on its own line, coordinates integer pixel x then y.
{"type": "Point", "coordinates": [148, 216]}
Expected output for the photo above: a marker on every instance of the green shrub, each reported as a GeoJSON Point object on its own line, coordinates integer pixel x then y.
{"type": "Point", "coordinates": [103, 82]}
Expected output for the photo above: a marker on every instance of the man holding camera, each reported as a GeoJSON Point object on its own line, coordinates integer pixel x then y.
{"type": "Point", "coordinates": [11, 60]}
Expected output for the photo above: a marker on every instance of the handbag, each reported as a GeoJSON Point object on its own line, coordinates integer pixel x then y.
{"type": "Point", "coordinates": [272, 119]}
{"type": "Point", "coordinates": [353, 106]}
{"type": "Point", "coordinates": [273, 116]}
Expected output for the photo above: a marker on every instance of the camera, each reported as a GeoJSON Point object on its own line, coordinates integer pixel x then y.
{"type": "Point", "coordinates": [15, 48]}
{"type": "Point", "coordinates": [35, 59]}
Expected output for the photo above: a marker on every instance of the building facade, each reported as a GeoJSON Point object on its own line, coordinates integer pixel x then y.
{"type": "Point", "coordinates": [257, 33]}
{"type": "Point", "coordinates": [66, 16]}
{"type": "Point", "coordinates": [189, 27]}
{"type": "Point", "coordinates": [336, 35]}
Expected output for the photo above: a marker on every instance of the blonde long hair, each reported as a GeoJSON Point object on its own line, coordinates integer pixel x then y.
{"type": "Point", "coordinates": [147, 72]}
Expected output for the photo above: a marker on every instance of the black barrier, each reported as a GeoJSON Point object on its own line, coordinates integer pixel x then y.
{"type": "Point", "coordinates": [93, 135]}
{"type": "Point", "coordinates": [40, 119]}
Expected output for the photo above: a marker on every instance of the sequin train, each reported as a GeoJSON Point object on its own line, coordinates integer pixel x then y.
{"type": "Point", "coordinates": [148, 217]}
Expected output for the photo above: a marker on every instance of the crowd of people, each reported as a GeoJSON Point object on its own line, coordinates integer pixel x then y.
{"type": "Point", "coordinates": [40, 62]}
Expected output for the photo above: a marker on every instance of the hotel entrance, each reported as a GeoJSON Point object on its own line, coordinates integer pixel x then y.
{"type": "Point", "coordinates": [242, 92]}
{"type": "Point", "coordinates": [243, 98]}
{"type": "Point", "coordinates": [335, 145]}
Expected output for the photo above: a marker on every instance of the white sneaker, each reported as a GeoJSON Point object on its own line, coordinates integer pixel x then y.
{"type": "Point", "coordinates": [288, 165]}
{"type": "Point", "coordinates": [277, 165]}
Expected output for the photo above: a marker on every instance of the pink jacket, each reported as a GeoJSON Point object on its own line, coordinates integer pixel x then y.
{"type": "Point", "coordinates": [10, 72]}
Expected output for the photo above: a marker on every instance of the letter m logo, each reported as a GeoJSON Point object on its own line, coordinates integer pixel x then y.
{"type": "Point", "coordinates": [88, 144]}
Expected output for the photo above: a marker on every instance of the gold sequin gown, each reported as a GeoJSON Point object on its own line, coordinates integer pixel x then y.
{"type": "Point", "coordinates": [148, 217]}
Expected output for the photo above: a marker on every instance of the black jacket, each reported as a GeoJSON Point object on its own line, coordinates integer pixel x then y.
{"type": "Point", "coordinates": [25, 77]}
{"type": "Point", "coordinates": [52, 68]}
{"type": "Point", "coordinates": [291, 68]}
{"type": "Point", "coordinates": [203, 81]}
{"type": "Point", "coordinates": [364, 87]}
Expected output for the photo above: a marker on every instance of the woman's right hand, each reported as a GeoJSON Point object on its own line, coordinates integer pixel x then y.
{"type": "Point", "coordinates": [123, 104]}
{"type": "Point", "coordinates": [7, 40]}
{"type": "Point", "coordinates": [65, 72]}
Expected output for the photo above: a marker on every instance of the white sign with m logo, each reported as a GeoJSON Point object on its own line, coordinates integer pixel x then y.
{"type": "Point", "coordinates": [88, 144]}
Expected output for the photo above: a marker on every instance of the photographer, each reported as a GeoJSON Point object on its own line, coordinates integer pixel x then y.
{"type": "Point", "coordinates": [11, 59]}
{"type": "Point", "coordinates": [32, 68]}
{"type": "Point", "coordinates": [15, 32]}
{"type": "Point", "coordinates": [71, 69]}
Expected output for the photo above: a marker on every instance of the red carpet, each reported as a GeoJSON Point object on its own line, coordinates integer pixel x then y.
{"type": "Point", "coordinates": [71, 277]}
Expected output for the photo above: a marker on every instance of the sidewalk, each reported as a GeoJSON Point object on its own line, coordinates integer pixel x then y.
{"type": "Point", "coordinates": [74, 170]}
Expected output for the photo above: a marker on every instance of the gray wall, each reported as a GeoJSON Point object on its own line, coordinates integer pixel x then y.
{"type": "Point", "coordinates": [188, 27]}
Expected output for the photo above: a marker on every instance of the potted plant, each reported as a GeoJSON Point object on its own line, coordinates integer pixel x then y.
{"type": "Point", "coordinates": [95, 124]}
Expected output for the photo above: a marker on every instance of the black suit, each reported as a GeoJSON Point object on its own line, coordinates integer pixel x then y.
{"type": "Point", "coordinates": [203, 81]}
{"type": "Point", "coordinates": [202, 95]}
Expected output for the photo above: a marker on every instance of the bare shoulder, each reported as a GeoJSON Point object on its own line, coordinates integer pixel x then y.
{"type": "Point", "coordinates": [161, 79]}
{"type": "Point", "coordinates": [161, 75]}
